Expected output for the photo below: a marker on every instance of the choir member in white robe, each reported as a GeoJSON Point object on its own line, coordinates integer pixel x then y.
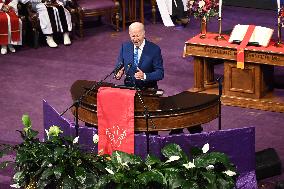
{"type": "Point", "coordinates": [53, 18]}
{"type": "Point", "coordinates": [173, 12]}
{"type": "Point", "coordinates": [10, 26]}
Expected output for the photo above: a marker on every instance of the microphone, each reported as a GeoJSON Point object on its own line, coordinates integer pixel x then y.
{"type": "Point", "coordinates": [127, 69]}
{"type": "Point", "coordinates": [117, 68]}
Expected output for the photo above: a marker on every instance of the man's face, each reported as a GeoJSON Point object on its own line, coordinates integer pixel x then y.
{"type": "Point", "coordinates": [137, 36]}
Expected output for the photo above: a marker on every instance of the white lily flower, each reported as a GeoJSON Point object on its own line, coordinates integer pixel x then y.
{"type": "Point", "coordinates": [96, 139]}
{"type": "Point", "coordinates": [15, 186]}
{"type": "Point", "coordinates": [189, 165]}
{"type": "Point", "coordinates": [125, 165]}
{"type": "Point", "coordinates": [47, 133]}
{"type": "Point", "coordinates": [173, 158]}
{"type": "Point", "coordinates": [230, 173]}
{"type": "Point", "coordinates": [210, 167]}
{"type": "Point", "coordinates": [201, 4]}
{"type": "Point", "coordinates": [118, 158]}
{"type": "Point", "coordinates": [76, 140]}
{"type": "Point", "coordinates": [110, 171]}
{"type": "Point", "coordinates": [205, 148]}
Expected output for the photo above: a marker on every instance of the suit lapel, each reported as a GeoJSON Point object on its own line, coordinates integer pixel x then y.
{"type": "Point", "coordinates": [143, 53]}
{"type": "Point", "coordinates": [132, 53]}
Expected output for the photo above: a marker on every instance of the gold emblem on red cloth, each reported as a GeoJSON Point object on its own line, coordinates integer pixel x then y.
{"type": "Point", "coordinates": [116, 135]}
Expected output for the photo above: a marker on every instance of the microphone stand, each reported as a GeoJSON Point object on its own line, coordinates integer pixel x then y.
{"type": "Point", "coordinates": [219, 80]}
{"type": "Point", "coordinates": [146, 112]}
{"type": "Point", "coordinates": [147, 117]}
{"type": "Point", "coordinates": [78, 101]}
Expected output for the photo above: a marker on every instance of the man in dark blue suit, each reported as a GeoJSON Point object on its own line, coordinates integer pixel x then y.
{"type": "Point", "coordinates": [141, 60]}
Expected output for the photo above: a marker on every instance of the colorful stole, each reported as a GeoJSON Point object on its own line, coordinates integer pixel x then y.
{"type": "Point", "coordinates": [15, 26]}
{"type": "Point", "coordinates": [242, 46]}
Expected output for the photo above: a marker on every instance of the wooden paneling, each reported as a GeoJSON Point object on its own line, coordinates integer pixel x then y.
{"type": "Point", "coordinates": [226, 53]}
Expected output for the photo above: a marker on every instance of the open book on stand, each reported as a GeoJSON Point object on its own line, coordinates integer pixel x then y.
{"type": "Point", "coordinates": [260, 37]}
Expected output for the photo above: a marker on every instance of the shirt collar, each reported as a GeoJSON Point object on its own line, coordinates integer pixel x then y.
{"type": "Point", "coordinates": [141, 46]}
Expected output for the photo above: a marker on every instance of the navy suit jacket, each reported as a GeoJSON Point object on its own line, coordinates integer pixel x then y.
{"type": "Point", "coordinates": [151, 63]}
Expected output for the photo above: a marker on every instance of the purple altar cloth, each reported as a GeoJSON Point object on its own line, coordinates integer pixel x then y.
{"type": "Point", "coordinates": [238, 144]}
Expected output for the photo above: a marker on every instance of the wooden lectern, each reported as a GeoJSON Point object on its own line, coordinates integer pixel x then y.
{"type": "Point", "coordinates": [183, 110]}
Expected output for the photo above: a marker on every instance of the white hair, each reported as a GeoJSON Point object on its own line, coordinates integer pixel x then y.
{"type": "Point", "coordinates": [137, 25]}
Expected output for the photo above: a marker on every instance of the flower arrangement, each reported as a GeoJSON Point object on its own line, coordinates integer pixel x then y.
{"type": "Point", "coordinates": [58, 162]}
{"type": "Point", "coordinates": [203, 8]}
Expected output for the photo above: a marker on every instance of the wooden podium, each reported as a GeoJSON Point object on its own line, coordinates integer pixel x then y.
{"type": "Point", "coordinates": [183, 110]}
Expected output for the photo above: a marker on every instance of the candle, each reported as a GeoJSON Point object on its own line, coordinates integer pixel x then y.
{"type": "Point", "coordinates": [220, 8]}
{"type": "Point", "coordinates": [278, 5]}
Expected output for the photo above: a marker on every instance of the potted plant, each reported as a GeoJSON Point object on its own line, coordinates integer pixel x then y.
{"type": "Point", "coordinates": [58, 162]}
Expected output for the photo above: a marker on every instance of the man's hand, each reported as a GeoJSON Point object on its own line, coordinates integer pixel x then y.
{"type": "Point", "coordinates": [139, 74]}
{"type": "Point", "coordinates": [119, 74]}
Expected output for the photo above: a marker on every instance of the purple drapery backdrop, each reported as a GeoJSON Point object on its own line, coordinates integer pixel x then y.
{"type": "Point", "coordinates": [238, 144]}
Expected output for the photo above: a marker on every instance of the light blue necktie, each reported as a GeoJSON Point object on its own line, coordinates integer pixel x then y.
{"type": "Point", "coordinates": [136, 61]}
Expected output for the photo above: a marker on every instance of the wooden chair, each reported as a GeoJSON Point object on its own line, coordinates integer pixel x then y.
{"type": "Point", "coordinates": [90, 8]}
{"type": "Point", "coordinates": [130, 13]}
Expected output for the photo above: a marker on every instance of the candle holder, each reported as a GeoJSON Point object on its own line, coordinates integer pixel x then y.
{"type": "Point", "coordinates": [203, 28]}
{"type": "Point", "coordinates": [219, 37]}
{"type": "Point", "coordinates": [279, 42]}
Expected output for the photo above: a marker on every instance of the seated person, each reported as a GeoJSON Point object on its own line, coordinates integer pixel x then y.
{"type": "Point", "coordinates": [174, 12]}
{"type": "Point", "coordinates": [10, 26]}
{"type": "Point", "coordinates": [141, 60]}
{"type": "Point", "coordinates": [53, 17]}
{"type": "Point", "coordinates": [179, 12]}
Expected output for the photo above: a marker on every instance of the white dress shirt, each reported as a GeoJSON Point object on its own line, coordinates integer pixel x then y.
{"type": "Point", "coordinates": [140, 50]}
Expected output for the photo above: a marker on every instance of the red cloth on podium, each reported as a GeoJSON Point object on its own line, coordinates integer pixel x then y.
{"type": "Point", "coordinates": [115, 109]}
{"type": "Point", "coordinates": [242, 46]}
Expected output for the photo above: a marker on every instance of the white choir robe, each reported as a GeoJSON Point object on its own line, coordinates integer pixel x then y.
{"type": "Point", "coordinates": [165, 8]}
{"type": "Point", "coordinates": [44, 20]}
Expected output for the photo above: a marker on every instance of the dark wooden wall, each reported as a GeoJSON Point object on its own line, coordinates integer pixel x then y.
{"type": "Point", "coordinates": [259, 4]}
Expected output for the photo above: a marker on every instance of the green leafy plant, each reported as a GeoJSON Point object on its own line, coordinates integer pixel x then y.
{"type": "Point", "coordinates": [203, 171]}
{"type": "Point", "coordinates": [58, 162]}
